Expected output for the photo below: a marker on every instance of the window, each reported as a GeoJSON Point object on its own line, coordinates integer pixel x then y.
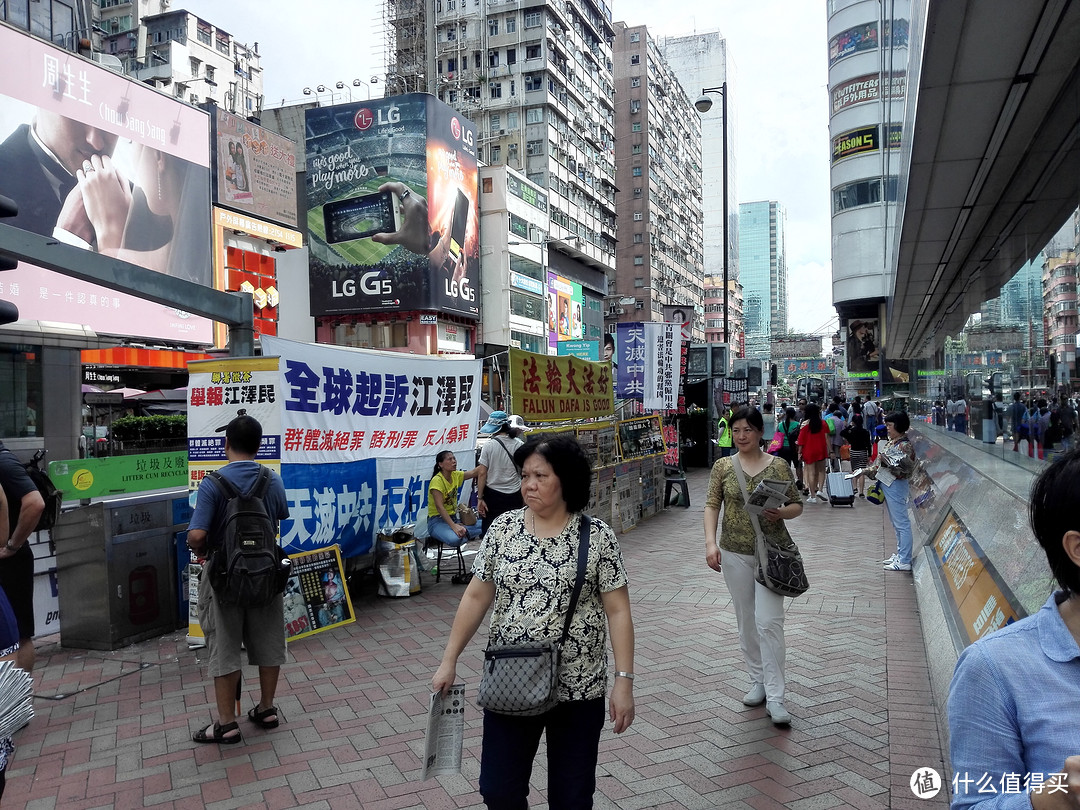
{"type": "Point", "coordinates": [451, 65]}
{"type": "Point", "coordinates": [527, 267]}
{"type": "Point", "coordinates": [533, 115]}
{"type": "Point", "coordinates": [495, 122]}
{"type": "Point", "coordinates": [451, 34]}
{"type": "Point", "coordinates": [637, 216]}
{"type": "Point", "coordinates": [20, 391]}
{"type": "Point", "coordinates": [533, 19]}
{"type": "Point", "coordinates": [635, 60]}
{"type": "Point", "coordinates": [532, 51]}
{"type": "Point", "coordinates": [511, 56]}
{"type": "Point", "coordinates": [635, 105]}
{"type": "Point", "coordinates": [210, 73]}
{"type": "Point", "coordinates": [493, 27]}
{"type": "Point", "coordinates": [513, 87]}
{"type": "Point", "coordinates": [637, 236]}
{"type": "Point", "coordinates": [639, 282]}
{"type": "Point", "coordinates": [534, 81]}
{"type": "Point", "coordinates": [512, 120]}
{"type": "Point", "coordinates": [635, 126]}
{"type": "Point", "coordinates": [203, 35]}
{"type": "Point", "coordinates": [476, 60]}
{"type": "Point", "coordinates": [863, 192]}
{"type": "Point", "coordinates": [451, 5]}
{"type": "Point", "coordinates": [635, 81]}
{"type": "Point", "coordinates": [639, 260]}
{"type": "Point", "coordinates": [495, 89]}
{"type": "Point", "coordinates": [637, 191]}
{"type": "Point", "coordinates": [496, 154]}
{"type": "Point", "coordinates": [636, 148]}
{"type": "Point", "coordinates": [527, 306]}
{"type": "Point", "coordinates": [485, 185]}
{"type": "Point", "coordinates": [637, 171]}
{"type": "Point", "coordinates": [511, 23]}
{"type": "Point", "coordinates": [493, 58]}
{"type": "Point", "coordinates": [635, 37]}
{"type": "Point", "coordinates": [195, 67]}
{"type": "Point", "coordinates": [530, 343]}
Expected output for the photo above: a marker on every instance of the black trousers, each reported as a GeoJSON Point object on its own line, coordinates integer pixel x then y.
{"type": "Point", "coordinates": [499, 503]}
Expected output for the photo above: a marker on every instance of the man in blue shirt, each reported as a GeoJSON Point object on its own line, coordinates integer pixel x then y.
{"type": "Point", "coordinates": [261, 630]}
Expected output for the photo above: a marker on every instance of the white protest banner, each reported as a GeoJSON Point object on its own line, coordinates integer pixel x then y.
{"type": "Point", "coordinates": [662, 343]}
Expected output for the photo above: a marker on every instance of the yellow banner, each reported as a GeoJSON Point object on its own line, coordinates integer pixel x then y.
{"type": "Point", "coordinates": [555, 389]}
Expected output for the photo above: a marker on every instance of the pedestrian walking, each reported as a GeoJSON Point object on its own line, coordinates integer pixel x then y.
{"type": "Point", "coordinates": [859, 439]}
{"type": "Point", "coordinates": [813, 443]}
{"type": "Point", "coordinates": [759, 612]}
{"type": "Point", "coordinates": [24, 508]}
{"type": "Point", "coordinates": [498, 483]}
{"type": "Point", "coordinates": [895, 465]}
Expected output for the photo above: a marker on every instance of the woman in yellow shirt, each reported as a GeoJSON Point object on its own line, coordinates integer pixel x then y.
{"type": "Point", "coordinates": [446, 481]}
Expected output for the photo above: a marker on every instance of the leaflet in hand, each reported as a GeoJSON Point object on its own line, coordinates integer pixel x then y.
{"type": "Point", "coordinates": [769, 494]}
{"type": "Point", "coordinates": [445, 732]}
{"type": "Point", "coordinates": [16, 698]}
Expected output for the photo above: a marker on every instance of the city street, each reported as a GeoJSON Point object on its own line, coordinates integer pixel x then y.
{"type": "Point", "coordinates": [113, 729]}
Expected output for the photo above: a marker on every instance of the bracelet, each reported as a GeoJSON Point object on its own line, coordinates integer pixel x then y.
{"type": "Point", "coordinates": [628, 675]}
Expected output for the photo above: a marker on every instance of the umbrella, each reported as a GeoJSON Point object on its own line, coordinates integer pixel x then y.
{"type": "Point", "coordinates": [165, 394]}
{"type": "Point", "coordinates": [90, 389]}
{"type": "Point", "coordinates": [128, 392]}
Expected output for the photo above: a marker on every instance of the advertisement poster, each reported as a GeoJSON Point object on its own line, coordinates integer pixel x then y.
{"type": "Point", "coordinates": [103, 162]}
{"type": "Point", "coordinates": [641, 437]}
{"type": "Point", "coordinates": [392, 200]}
{"type": "Point", "coordinates": [630, 361]}
{"type": "Point", "coordinates": [867, 88]}
{"type": "Point", "coordinates": [864, 353]}
{"type": "Point", "coordinates": [254, 169]}
{"type": "Point", "coordinates": [663, 343]}
{"type": "Point", "coordinates": [980, 604]}
{"type": "Point", "coordinates": [553, 389]}
{"type": "Point", "coordinates": [359, 434]}
{"type": "Point", "coordinates": [316, 596]}
{"type": "Point", "coordinates": [565, 301]}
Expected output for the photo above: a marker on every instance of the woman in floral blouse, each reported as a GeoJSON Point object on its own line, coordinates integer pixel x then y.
{"type": "Point", "coordinates": [525, 571]}
{"type": "Point", "coordinates": [895, 463]}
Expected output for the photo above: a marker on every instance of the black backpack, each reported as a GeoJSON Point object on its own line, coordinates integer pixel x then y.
{"type": "Point", "coordinates": [248, 567]}
{"type": "Point", "coordinates": [53, 497]}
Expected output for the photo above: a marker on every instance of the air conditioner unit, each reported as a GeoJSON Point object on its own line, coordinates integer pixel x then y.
{"type": "Point", "coordinates": [639, 305]}
{"type": "Point", "coordinates": [502, 131]}
{"type": "Point", "coordinates": [621, 311]}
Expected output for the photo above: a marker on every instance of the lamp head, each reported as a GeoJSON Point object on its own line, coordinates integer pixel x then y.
{"type": "Point", "coordinates": [356, 82]}
{"type": "Point", "coordinates": [321, 88]}
{"type": "Point", "coordinates": [340, 85]}
{"type": "Point", "coordinates": [703, 104]}
{"type": "Point", "coordinates": [307, 91]}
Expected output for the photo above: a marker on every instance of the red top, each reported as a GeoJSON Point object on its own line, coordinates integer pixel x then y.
{"type": "Point", "coordinates": [815, 446]}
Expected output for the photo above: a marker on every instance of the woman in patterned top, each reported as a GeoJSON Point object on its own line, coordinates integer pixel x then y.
{"type": "Point", "coordinates": [525, 571]}
{"type": "Point", "coordinates": [895, 463]}
{"type": "Point", "coordinates": [759, 612]}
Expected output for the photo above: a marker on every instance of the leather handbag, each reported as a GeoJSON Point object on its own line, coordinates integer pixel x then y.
{"type": "Point", "coordinates": [467, 516]}
{"type": "Point", "coordinates": [523, 679]}
{"type": "Point", "coordinates": [780, 569]}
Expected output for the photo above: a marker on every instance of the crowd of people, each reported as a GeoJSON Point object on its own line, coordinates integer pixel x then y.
{"type": "Point", "coordinates": [1044, 426]}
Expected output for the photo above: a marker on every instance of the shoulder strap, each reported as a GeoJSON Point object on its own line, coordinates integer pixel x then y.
{"type": "Point", "coordinates": [509, 454]}
{"type": "Point", "coordinates": [226, 485]}
{"type": "Point", "coordinates": [762, 554]}
{"type": "Point", "coordinates": [262, 483]}
{"type": "Point", "coordinates": [584, 533]}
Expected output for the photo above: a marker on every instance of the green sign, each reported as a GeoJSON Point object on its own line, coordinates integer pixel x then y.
{"type": "Point", "coordinates": [119, 475]}
{"type": "Point", "coordinates": [863, 375]}
{"type": "Point", "coordinates": [932, 372]}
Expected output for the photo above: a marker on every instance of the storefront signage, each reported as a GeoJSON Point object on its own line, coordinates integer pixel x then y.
{"type": "Point", "coordinates": [429, 320]}
{"type": "Point", "coordinates": [855, 142]}
{"type": "Point", "coordinates": [256, 227]}
{"type": "Point", "coordinates": [554, 389]}
{"type": "Point", "coordinates": [804, 365]}
{"type": "Point", "coordinates": [254, 168]}
{"type": "Point", "coordinates": [526, 192]}
{"type": "Point", "coordinates": [867, 88]}
{"type": "Point", "coordinates": [525, 283]}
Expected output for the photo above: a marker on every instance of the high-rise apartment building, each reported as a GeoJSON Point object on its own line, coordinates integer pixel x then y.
{"type": "Point", "coordinates": [182, 54]}
{"type": "Point", "coordinates": [701, 61]}
{"type": "Point", "coordinates": [763, 274]}
{"type": "Point", "coordinates": [660, 255]}
{"type": "Point", "coordinates": [537, 82]}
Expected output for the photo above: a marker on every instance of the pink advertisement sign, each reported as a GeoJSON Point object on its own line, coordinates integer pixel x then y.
{"type": "Point", "coordinates": [100, 161]}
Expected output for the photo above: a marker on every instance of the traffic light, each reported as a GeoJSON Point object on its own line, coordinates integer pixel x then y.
{"type": "Point", "coordinates": [988, 387]}
{"type": "Point", "coordinates": [9, 313]}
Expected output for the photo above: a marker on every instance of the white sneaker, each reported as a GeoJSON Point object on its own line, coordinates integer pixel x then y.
{"type": "Point", "coordinates": [775, 709]}
{"type": "Point", "coordinates": [896, 565]}
{"type": "Point", "coordinates": [890, 560]}
{"type": "Point", "coordinates": [822, 496]}
{"type": "Point", "coordinates": [756, 695]}
{"type": "Point", "coordinates": [811, 499]}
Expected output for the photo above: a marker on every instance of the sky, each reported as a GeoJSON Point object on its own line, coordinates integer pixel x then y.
{"type": "Point", "coordinates": [781, 97]}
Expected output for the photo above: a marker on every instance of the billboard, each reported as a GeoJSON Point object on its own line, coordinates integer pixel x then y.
{"type": "Point", "coordinates": [254, 169]}
{"type": "Point", "coordinates": [106, 163]}
{"type": "Point", "coordinates": [867, 88]}
{"type": "Point", "coordinates": [392, 220]}
{"type": "Point", "coordinates": [564, 305]}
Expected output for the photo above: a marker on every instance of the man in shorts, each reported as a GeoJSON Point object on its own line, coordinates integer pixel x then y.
{"type": "Point", "coordinates": [25, 506]}
{"type": "Point", "coordinates": [261, 630]}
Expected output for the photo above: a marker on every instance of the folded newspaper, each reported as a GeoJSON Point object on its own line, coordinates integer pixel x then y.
{"type": "Point", "coordinates": [445, 732]}
{"type": "Point", "coordinates": [769, 494]}
{"type": "Point", "coordinates": [16, 698]}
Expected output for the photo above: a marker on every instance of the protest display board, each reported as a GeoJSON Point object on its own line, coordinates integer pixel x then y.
{"type": "Point", "coordinates": [556, 389]}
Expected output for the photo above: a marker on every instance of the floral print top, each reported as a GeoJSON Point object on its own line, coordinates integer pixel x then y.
{"type": "Point", "coordinates": [534, 578]}
{"type": "Point", "coordinates": [737, 532]}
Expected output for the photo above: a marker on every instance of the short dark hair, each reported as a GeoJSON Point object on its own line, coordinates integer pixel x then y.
{"type": "Point", "coordinates": [1052, 514]}
{"type": "Point", "coordinates": [609, 339]}
{"type": "Point", "coordinates": [899, 420]}
{"type": "Point", "coordinates": [244, 434]}
{"type": "Point", "coordinates": [568, 461]}
{"type": "Point", "coordinates": [750, 416]}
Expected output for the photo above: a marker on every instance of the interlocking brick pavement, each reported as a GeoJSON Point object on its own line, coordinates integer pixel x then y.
{"type": "Point", "coordinates": [112, 728]}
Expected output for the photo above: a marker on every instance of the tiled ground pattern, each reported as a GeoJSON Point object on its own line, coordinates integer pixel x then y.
{"type": "Point", "coordinates": [112, 729]}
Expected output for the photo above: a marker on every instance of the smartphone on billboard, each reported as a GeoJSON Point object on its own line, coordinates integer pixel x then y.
{"type": "Point", "coordinates": [361, 217]}
{"type": "Point", "coordinates": [458, 226]}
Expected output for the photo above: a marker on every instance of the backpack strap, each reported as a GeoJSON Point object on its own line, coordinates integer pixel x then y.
{"type": "Point", "coordinates": [227, 488]}
{"type": "Point", "coordinates": [258, 489]}
{"type": "Point", "coordinates": [262, 483]}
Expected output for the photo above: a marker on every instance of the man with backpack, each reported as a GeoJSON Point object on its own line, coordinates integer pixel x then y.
{"type": "Point", "coordinates": [25, 506]}
{"type": "Point", "coordinates": [234, 526]}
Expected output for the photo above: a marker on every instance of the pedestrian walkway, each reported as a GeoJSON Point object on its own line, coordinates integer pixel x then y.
{"type": "Point", "coordinates": [113, 728]}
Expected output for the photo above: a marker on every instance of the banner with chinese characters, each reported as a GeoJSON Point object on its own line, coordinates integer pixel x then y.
{"type": "Point", "coordinates": [662, 347]}
{"type": "Point", "coordinates": [355, 433]}
{"type": "Point", "coordinates": [554, 389]}
{"type": "Point", "coordinates": [804, 365]}
{"type": "Point", "coordinates": [630, 361]}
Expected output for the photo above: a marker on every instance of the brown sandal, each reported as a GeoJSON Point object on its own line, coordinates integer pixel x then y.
{"type": "Point", "coordinates": [218, 737]}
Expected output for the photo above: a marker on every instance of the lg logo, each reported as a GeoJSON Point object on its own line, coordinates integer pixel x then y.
{"type": "Point", "coordinates": [370, 284]}
{"type": "Point", "coordinates": [364, 118]}
{"type": "Point", "coordinates": [460, 133]}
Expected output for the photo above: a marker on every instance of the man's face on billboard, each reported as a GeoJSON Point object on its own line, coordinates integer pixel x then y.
{"type": "Point", "coordinates": [71, 141]}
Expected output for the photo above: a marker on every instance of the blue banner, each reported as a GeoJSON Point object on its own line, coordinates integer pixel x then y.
{"type": "Point", "coordinates": [630, 360]}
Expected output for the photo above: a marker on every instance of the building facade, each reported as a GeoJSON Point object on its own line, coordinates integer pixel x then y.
{"type": "Point", "coordinates": [764, 275]}
{"type": "Point", "coordinates": [701, 61]}
{"type": "Point", "coordinates": [660, 255]}
{"type": "Point", "coordinates": [868, 88]}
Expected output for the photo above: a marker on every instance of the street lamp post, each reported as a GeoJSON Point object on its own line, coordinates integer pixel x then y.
{"type": "Point", "coordinates": [703, 105]}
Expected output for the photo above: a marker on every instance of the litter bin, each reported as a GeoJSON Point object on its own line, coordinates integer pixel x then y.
{"type": "Point", "coordinates": [116, 572]}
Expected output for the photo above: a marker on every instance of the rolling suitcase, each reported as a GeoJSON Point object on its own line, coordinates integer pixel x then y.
{"type": "Point", "coordinates": [839, 490]}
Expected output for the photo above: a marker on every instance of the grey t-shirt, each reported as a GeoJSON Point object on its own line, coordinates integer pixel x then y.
{"type": "Point", "coordinates": [502, 475]}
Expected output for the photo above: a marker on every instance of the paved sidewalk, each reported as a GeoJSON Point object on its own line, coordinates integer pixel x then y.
{"type": "Point", "coordinates": [113, 729]}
